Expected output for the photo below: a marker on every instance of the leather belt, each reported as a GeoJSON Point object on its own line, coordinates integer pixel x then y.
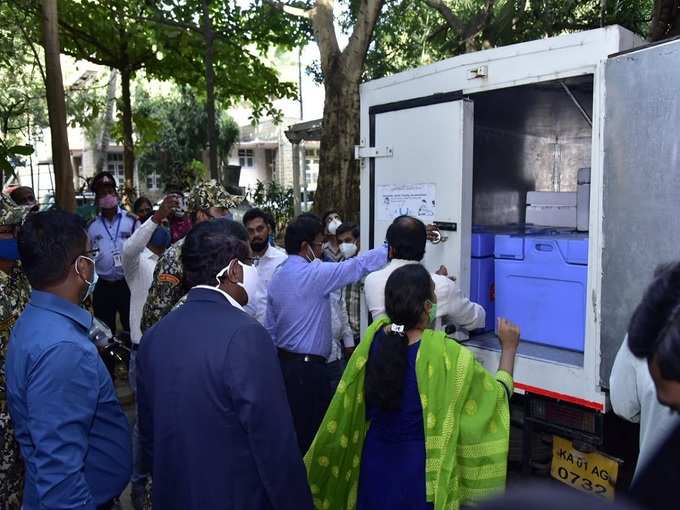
{"type": "Point", "coordinates": [306, 358]}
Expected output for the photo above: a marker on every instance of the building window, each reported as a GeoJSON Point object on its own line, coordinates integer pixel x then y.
{"type": "Point", "coordinates": [153, 181]}
{"type": "Point", "coordinates": [246, 158]}
{"type": "Point", "coordinates": [312, 167]}
{"type": "Point", "coordinates": [114, 164]}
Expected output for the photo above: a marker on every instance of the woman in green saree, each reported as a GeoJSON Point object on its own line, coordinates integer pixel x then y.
{"type": "Point", "coordinates": [416, 422]}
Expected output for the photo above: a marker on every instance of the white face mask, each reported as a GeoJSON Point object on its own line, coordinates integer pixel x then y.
{"type": "Point", "coordinates": [313, 256]}
{"type": "Point", "coordinates": [333, 226]}
{"type": "Point", "coordinates": [90, 285]}
{"type": "Point", "coordinates": [250, 279]}
{"type": "Point", "coordinates": [348, 250]}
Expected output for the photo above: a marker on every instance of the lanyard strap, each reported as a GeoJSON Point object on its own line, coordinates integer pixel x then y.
{"type": "Point", "coordinates": [113, 239]}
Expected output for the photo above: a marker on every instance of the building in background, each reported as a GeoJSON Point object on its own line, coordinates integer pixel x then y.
{"type": "Point", "coordinates": [262, 153]}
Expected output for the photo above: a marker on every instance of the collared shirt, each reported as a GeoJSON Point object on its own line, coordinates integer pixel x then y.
{"type": "Point", "coordinates": [331, 255]}
{"type": "Point", "coordinates": [633, 397]}
{"type": "Point", "coordinates": [109, 237]}
{"type": "Point", "coordinates": [353, 299]}
{"type": "Point", "coordinates": [342, 333]}
{"type": "Point", "coordinates": [451, 303]}
{"type": "Point", "coordinates": [73, 434]}
{"type": "Point", "coordinates": [139, 263]}
{"type": "Point", "coordinates": [265, 266]}
{"type": "Point", "coordinates": [298, 305]}
{"type": "Point", "coordinates": [231, 300]}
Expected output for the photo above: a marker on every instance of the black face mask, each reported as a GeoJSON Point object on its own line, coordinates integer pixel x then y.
{"type": "Point", "coordinates": [260, 246]}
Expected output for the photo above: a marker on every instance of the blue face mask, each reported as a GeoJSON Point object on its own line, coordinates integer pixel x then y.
{"type": "Point", "coordinates": [9, 249]}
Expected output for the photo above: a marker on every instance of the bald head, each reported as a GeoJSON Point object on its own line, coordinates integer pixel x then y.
{"type": "Point", "coordinates": [406, 238]}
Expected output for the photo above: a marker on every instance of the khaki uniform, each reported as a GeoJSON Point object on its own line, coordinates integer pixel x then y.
{"type": "Point", "coordinates": [167, 289]}
{"type": "Point", "coordinates": [14, 294]}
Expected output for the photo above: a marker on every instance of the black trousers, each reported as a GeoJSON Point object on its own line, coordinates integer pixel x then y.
{"type": "Point", "coordinates": [309, 394]}
{"type": "Point", "coordinates": [111, 298]}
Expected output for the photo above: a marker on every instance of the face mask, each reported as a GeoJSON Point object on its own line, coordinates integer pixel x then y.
{"type": "Point", "coordinates": [250, 279]}
{"type": "Point", "coordinates": [348, 250]}
{"type": "Point", "coordinates": [90, 285]}
{"type": "Point", "coordinates": [333, 226]}
{"type": "Point", "coordinates": [433, 311]}
{"type": "Point", "coordinates": [108, 202]}
{"type": "Point", "coordinates": [8, 249]}
{"type": "Point", "coordinates": [313, 257]}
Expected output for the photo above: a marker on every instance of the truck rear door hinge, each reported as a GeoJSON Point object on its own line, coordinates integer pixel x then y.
{"type": "Point", "coordinates": [361, 152]}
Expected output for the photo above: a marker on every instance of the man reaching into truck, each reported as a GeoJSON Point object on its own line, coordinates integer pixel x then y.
{"type": "Point", "coordinates": [406, 238]}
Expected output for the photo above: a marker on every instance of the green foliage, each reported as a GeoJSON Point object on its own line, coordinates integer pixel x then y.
{"type": "Point", "coordinates": [410, 33]}
{"type": "Point", "coordinates": [242, 36]}
{"type": "Point", "coordinates": [8, 157]}
{"type": "Point", "coordinates": [276, 200]}
{"type": "Point", "coordinates": [172, 135]}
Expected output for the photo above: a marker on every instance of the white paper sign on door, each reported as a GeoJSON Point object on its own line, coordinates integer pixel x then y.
{"type": "Point", "coordinates": [417, 200]}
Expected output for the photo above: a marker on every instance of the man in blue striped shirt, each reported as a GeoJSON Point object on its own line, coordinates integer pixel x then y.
{"type": "Point", "coordinates": [299, 318]}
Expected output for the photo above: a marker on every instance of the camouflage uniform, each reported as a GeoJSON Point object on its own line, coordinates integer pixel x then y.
{"type": "Point", "coordinates": [167, 288]}
{"type": "Point", "coordinates": [14, 293]}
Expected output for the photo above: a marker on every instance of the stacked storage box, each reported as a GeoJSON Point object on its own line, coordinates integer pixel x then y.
{"type": "Point", "coordinates": [541, 286]}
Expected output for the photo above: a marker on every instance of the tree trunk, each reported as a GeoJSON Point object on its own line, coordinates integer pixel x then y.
{"type": "Point", "coordinates": [209, 36]}
{"type": "Point", "coordinates": [128, 143]}
{"type": "Point", "coordinates": [105, 135]}
{"type": "Point", "coordinates": [665, 20]}
{"type": "Point", "coordinates": [338, 182]}
{"type": "Point", "coordinates": [56, 106]}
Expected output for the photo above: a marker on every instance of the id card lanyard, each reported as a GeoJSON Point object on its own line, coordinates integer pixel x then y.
{"type": "Point", "coordinates": [117, 260]}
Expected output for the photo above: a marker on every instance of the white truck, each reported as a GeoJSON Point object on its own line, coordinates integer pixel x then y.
{"type": "Point", "coordinates": [464, 141]}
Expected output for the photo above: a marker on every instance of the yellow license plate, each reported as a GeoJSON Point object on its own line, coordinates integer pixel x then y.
{"type": "Point", "coordinates": [594, 473]}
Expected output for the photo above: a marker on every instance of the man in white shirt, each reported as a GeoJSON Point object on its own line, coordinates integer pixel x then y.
{"type": "Point", "coordinates": [633, 397]}
{"type": "Point", "coordinates": [406, 238]}
{"type": "Point", "coordinates": [266, 259]}
{"type": "Point", "coordinates": [140, 255]}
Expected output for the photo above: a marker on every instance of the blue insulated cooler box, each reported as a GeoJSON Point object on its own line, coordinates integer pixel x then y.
{"type": "Point", "coordinates": [482, 275]}
{"type": "Point", "coordinates": [541, 283]}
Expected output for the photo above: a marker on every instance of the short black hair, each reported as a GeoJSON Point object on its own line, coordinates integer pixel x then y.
{"type": "Point", "coordinates": [654, 329]}
{"type": "Point", "coordinates": [96, 180]}
{"type": "Point", "coordinates": [406, 291]}
{"type": "Point", "coordinates": [325, 216]}
{"type": "Point", "coordinates": [407, 236]}
{"type": "Point", "coordinates": [208, 248]}
{"type": "Point", "coordinates": [304, 228]}
{"type": "Point", "coordinates": [141, 200]}
{"type": "Point", "coordinates": [49, 243]}
{"type": "Point", "coordinates": [255, 213]}
{"type": "Point", "coordinates": [15, 194]}
{"type": "Point", "coordinates": [349, 227]}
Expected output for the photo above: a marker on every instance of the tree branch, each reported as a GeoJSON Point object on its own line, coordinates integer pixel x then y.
{"type": "Point", "coordinates": [289, 9]}
{"type": "Point", "coordinates": [451, 19]}
{"type": "Point", "coordinates": [162, 20]}
{"type": "Point", "coordinates": [324, 33]}
{"type": "Point", "coordinates": [369, 11]}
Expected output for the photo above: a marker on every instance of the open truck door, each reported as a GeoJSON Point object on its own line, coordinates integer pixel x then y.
{"type": "Point", "coordinates": [420, 164]}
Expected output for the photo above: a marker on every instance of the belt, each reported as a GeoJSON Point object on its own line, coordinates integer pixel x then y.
{"type": "Point", "coordinates": [135, 347]}
{"type": "Point", "coordinates": [305, 358]}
